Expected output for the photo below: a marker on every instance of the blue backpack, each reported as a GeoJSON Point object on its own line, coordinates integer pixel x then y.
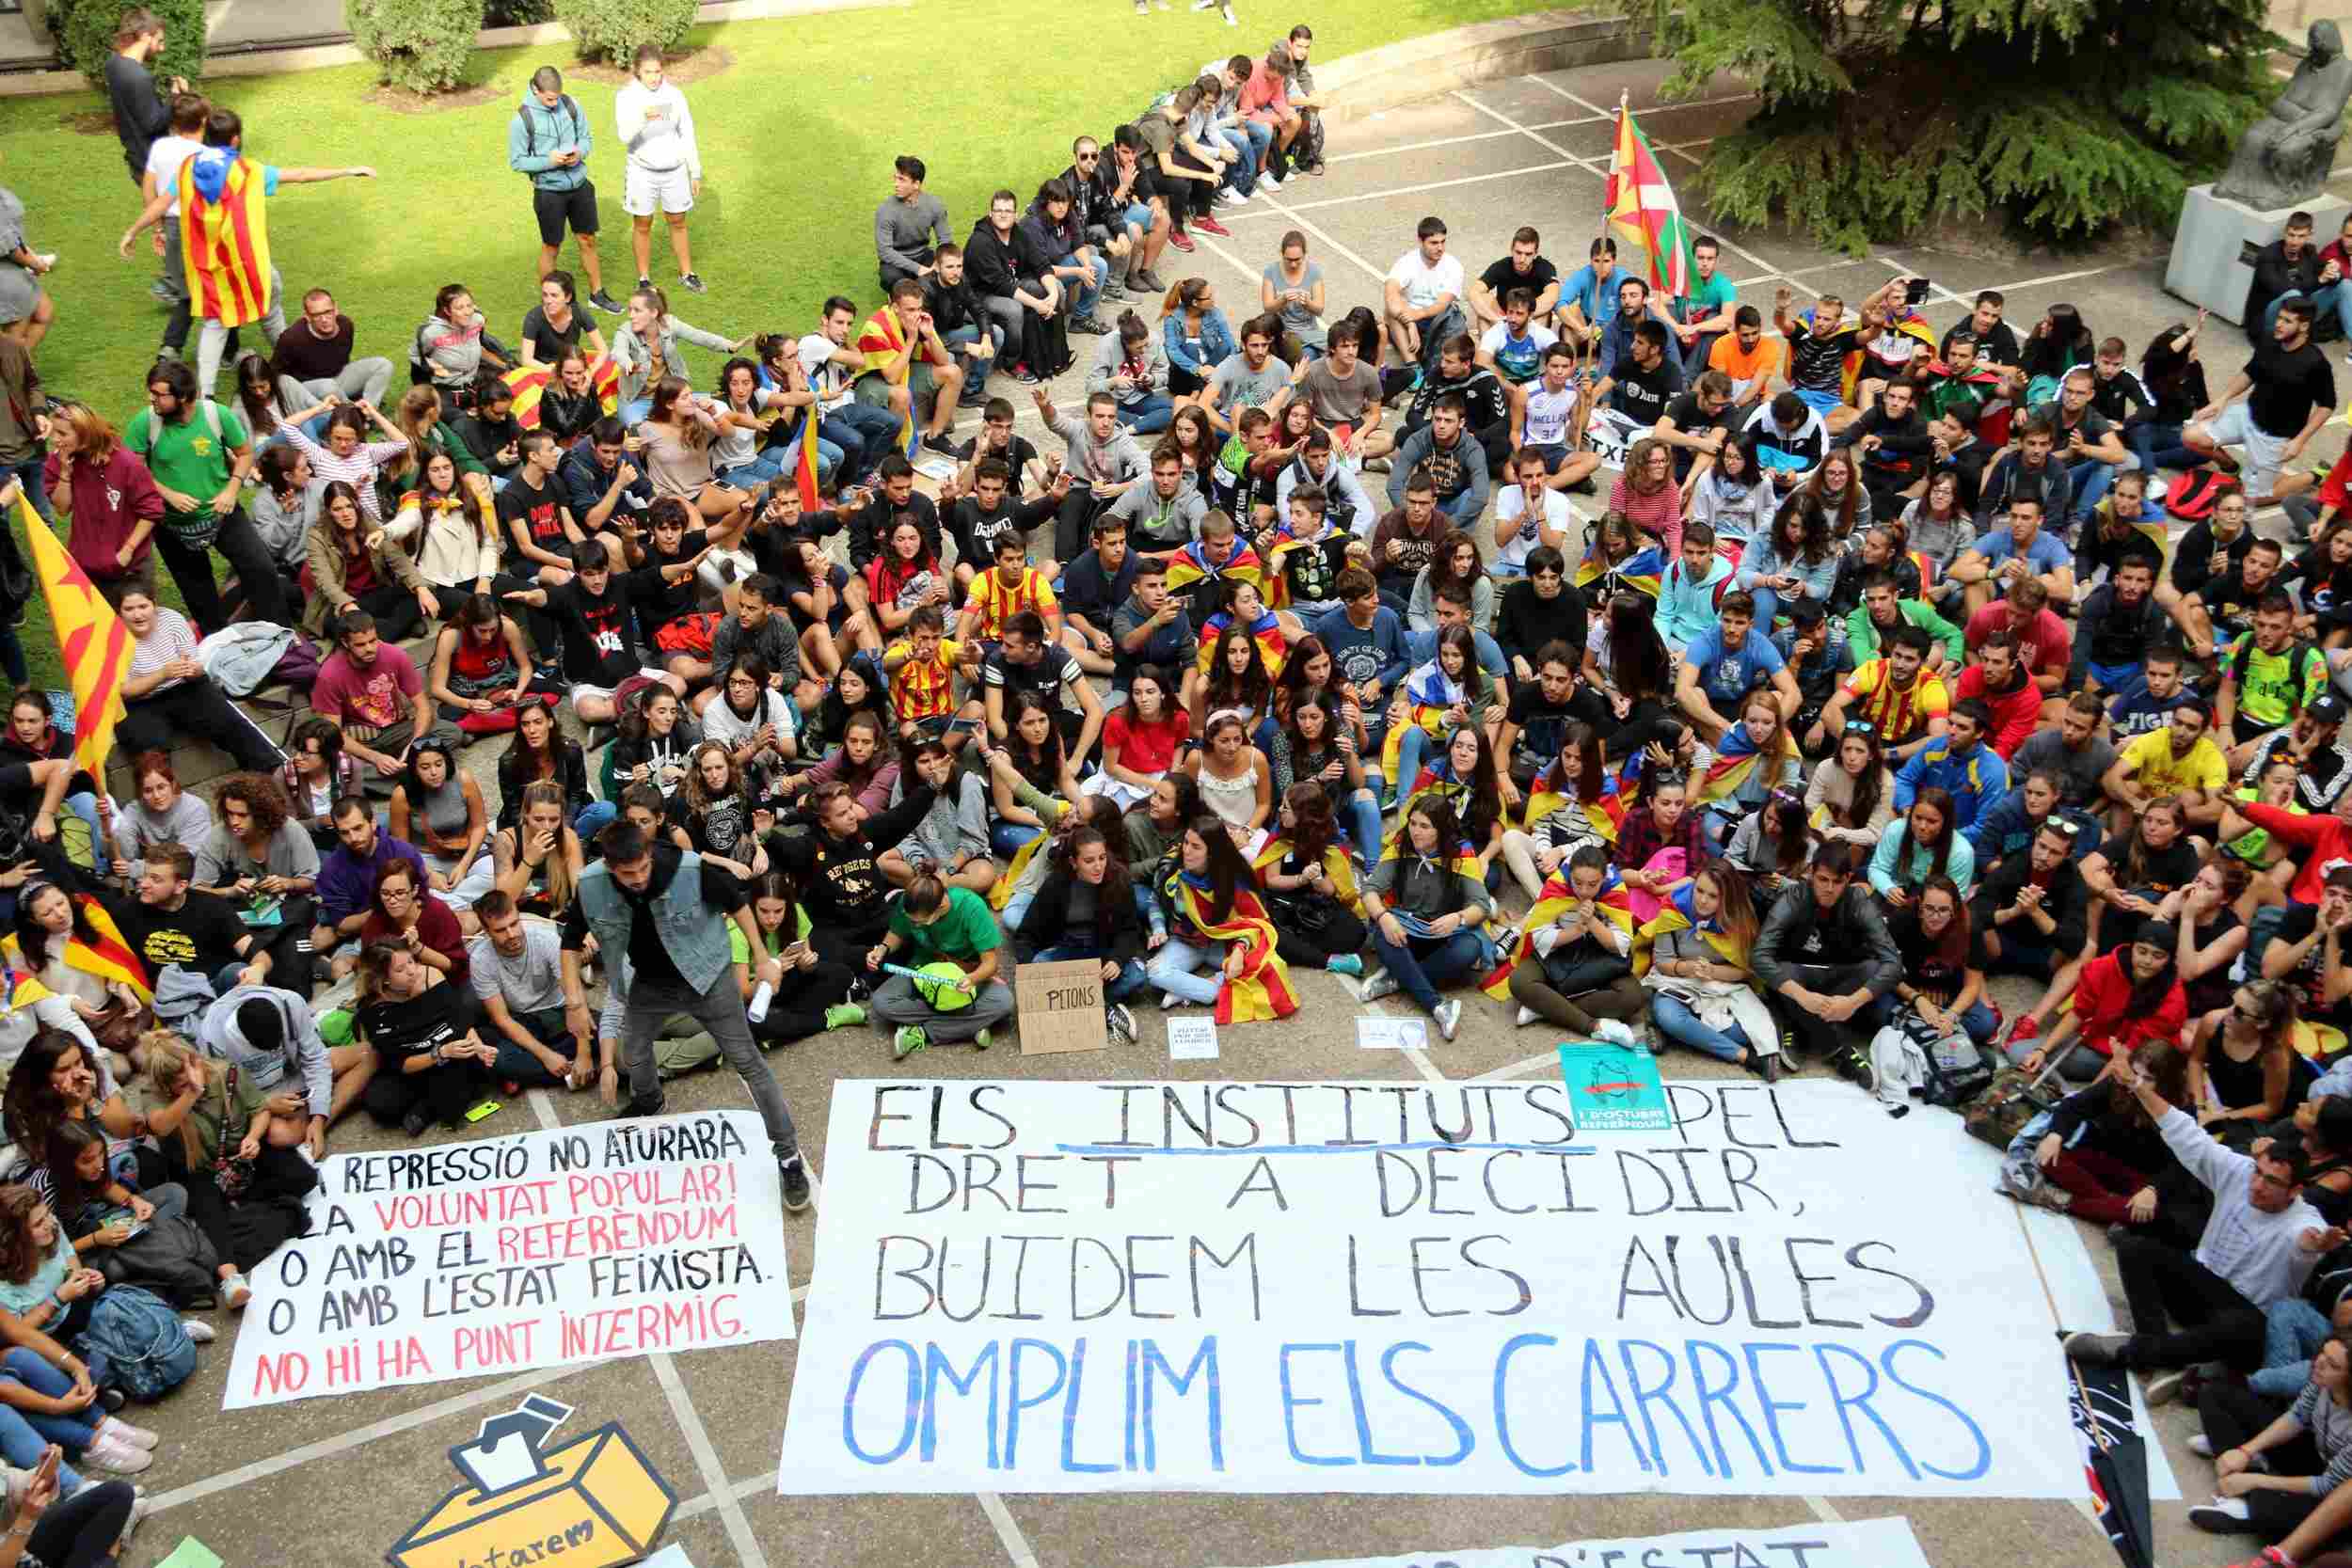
{"type": "Point", "coordinates": [135, 1343]}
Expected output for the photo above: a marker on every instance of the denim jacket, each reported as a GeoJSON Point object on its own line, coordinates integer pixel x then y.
{"type": "Point", "coordinates": [693, 933]}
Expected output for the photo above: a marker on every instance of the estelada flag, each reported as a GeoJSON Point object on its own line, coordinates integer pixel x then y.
{"type": "Point", "coordinates": [1262, 988]}
{"type": "Point", "coordinates": [94, 644]}
{"type": "Point", "coordinates": [224, 236]}
{"type": "Point", "coordinates": [1273, 648]}
{"type": "Point", "coordinates": [882, 340]}
{"type": "Point", "coordinates": [1653, 242]}
{"type": "Point", "coordinates": [529, 380]}
{"type": "Point", "coordinates": [1191, 564]}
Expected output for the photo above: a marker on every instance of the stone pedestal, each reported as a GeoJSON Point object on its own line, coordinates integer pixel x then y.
{"type": "Point", "coordinates": [2213, 247]}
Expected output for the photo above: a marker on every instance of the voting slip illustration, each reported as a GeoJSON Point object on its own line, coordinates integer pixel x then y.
{"type": "Point", "coordinates": [1613, 1088]}
{"type": "Point", "coordinates": [597, 1501]}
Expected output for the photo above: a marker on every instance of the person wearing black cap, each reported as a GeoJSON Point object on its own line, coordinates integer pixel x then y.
{"type": "Point", "coordinates": [1818, 660]}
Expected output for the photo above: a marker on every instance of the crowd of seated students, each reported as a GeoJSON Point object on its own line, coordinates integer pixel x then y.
{"type": "Point", "coordinates": [1884, 663]}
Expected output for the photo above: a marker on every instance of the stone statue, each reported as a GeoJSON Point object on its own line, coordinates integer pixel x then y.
{"type": "Point", "coordinates": [2285, 155]}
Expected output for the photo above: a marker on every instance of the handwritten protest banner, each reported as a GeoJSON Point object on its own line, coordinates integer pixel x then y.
{"type": "Point", "coordinates": [1059, 1287]}
{"type": "Point", "coordinates": [537, 1250]}
{"type": "Point", "coordinates": [1865, 1544]}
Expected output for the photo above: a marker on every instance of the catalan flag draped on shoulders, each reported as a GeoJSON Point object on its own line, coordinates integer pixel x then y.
{"type": "Point", "coordinates": [1335, 865]}
{"type": "Point", "coordinates": [1906, 323]}
{"type": "Point", "coordinates": [1265, 632]}
{"type": "Point", "coordinates": [224, 234]}
{"type": "Point", "coordinates": [1277, 586]}
{"type": "Point", "coordinates": [1640, 571]}
{"type": "Point", "coordinates": [94, 947]}
{"type": "Point", "coordinates": [92, 643]}
{"type": "Point", "coordinates": [1263, 987]}
{"type": "Point", "coordinates": [1736, 759]}
{"type": "Point", "coordinates": [883, 341]}
{"type": "Point", "coordinates": [1605, 815]}
{"type": "Point", "coordinates": [1428, 691]}
{"type": "Point", "coordinates": [1191, 564]}
{"type": "Point", "coordinates": [1653, 241]}
{"type": "Point", "coordinates": [1551, 902]}
{"type": "Point", "coordinates": [1678, 914]}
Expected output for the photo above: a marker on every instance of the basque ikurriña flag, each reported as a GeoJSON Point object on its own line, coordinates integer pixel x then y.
{"type": "Point", "coordinates": [1653, 242]}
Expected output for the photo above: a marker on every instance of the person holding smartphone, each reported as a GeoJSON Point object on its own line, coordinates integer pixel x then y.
{"type": "Point", "coordinates": [86, 1528]}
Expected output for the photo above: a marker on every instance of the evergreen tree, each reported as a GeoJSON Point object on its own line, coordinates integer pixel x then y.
{"type": "Point", "coordinates": [2056, 115]}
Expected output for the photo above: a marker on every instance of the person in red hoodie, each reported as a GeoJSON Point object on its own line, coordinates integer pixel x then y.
{"type": "Point", "coordinates": [105, 492]}
{"type": "Point", "coordinates": [1998, 681]}
{"type": "Point", "coordinates": [2324, 839]}
{"type": "Point", "coordinates": [2123, 997]}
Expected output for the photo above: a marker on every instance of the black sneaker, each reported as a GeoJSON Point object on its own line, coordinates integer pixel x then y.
{"type": "Point", "coordinates": [645, 1107]}
{"type": "Point", "coordinates": [416, 1121]}
{"type": "Point", "coordinates": [793, 1173]}
{"type": "Point", "coordinates": [940, 443]}
{"type": "Point", "coordinates": [1150, 280]}
{"type": "Point", "coordinates": [603, 302]}
{"type": "Point", "coordinates": [1857, 1067]}
{"type": "Point", "coordinates": [692, 283]}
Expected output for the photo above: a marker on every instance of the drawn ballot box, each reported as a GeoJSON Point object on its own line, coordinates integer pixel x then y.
{"type": "Point", "coordinates": [594, 1502]}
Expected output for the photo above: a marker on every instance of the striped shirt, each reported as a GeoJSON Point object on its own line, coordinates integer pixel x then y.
{"type": "Point", "coordinates": [357, 470]}
{"type": "Point", "coordinates": [921, 690]}
{"type": "Point", "coordinates": [166, 640]}
{"type": "Point", "coordinates": [995, 603]}
{"type": "Point", "coordinates": [1898, 713]}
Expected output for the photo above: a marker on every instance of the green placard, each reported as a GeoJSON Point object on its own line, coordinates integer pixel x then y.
{"type": "Point", "coordinates": [1613, 1088]}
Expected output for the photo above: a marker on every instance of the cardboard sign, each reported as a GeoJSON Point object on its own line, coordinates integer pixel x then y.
{"type": "Point", "coordinates": [1612, 1088]}
{"type": "Point", "coordinates": [1060, 1007]}
{"type": "Point", "coordinates": [597, 1501]}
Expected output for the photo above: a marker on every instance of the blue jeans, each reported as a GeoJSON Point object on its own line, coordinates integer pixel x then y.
{"type": "Point", "coordinates": [85, 805]}
{"type": "Point", "coordinates": [2328, 296]}
{"type": "Point", "coordinates": [975, 370]}
{"type": "Point", "coordinates": [1361, 813]}
{"type": "Point", "coordinates": [1133, 976]}
{"type": "Point", "coordinates": [1173, 965]}
{"type": "Point", "coordinates": [863, 434]}
{"type": "Point", "coordinates": [2293, 1331]}
{"type": "Point", "coordinates": [2091, 479]}
{"type": "Point", "coordinates": [24, 1435]}
{"type": "Point", "coordinates": [1409, 750]}
{"type": "Point", "coordinates": [30, 472]}
{"type": "Point", "coordinates": [1085, 293]}
{"type": "Point", "coordinates": [758, 471]}
{"type": "Point", "coordinates": [634, 411]}
{"type": "Point", "coordinates": [1007, 838]}
{"type": "Point", "coordinates": [1423, 966]}
{"type": "Point", "coordinates": [1976, 1021]}
{"type": "Point", "coordinates": [593, 818]}
{"type": "Point", "coordinates": [1767, 606]}
{"type": "Point", "coordinates": [1678, 1023]}
{"type": "Point", "coordinates": [2157, 445]}
{"type": "Point", "coordinates": [1243, 175]}
{"type": "Point", "coordinates": [1148, 416]}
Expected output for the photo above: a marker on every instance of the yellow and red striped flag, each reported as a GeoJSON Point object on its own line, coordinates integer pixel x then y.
{"type": "Point", "coordinates": [224, 236]}
{"type": "Point", "coordinates": [1653, 242]}
{"type": "Point", "coordinates": [530, 383]}
{"type": "Point", "coordinates": [94, 644]}
{"type": "Point", "coordinates": [882, 340]}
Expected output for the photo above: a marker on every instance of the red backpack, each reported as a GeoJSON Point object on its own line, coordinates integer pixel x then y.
{"type": "Point", "coordinates": [2192, 495]}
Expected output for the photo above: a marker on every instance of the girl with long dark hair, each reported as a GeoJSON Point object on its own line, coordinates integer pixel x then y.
{"type": "Point", "coordinates": [1560, 806]}
{"type": "Point", "coordinates": [1215, 917]}
{"type": "Point", "coordinates": [815, 996]}
{"type": "Point", "coordinates": [350, 562]}
{"type": "Point", "coordinates": [1703, 989]}
{"type": "Point", "coordinates": [1851, 788]}
{"type": "Point", "coordinates": [2123, 997]}
{"type": "Point", "coordinates": [1926, 846]}
{"type": "Point", "coordinates": [1943, 965]}
{"type": "Point", "coordinates": [1315, 745]}
{"type": "Point", "coordinates": [1033, 742]}
{"type": "Point", "coordinates": [1085, 910]}
{"type": "Point", "coordinates": [1425, 905]}
{"type": "Point", "coordinates": [540, 749]}
{"type": "Point", "coordinates": [1310, 886]}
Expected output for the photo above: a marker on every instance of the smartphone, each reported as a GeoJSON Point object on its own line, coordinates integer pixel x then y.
{"type": "Point", "coordinates": [1916, 290]}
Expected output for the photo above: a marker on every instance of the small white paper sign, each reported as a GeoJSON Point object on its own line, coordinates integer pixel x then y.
{"type": "Point", "coordinates": [1191, 1040]}
{"type": "Point", "coordinates": [1391, 1033]}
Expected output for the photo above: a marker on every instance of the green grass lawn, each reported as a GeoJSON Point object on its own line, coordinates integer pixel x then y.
{"type": "Point", "coordinates": [797, 134]}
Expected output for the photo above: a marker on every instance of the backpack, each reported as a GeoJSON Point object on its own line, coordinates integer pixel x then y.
{"type": "Point", "coordinates": [2002, 1111]}
{"type": "Point", "coordinates": [171, 1257]}
{"type": "Point", "coordinates": [155, 421]}
{"type": "Point", "coordinates": [2299, 664]}
{"type": "Point", "coordinates": [135, 1343]}
{"type": "Point", "coordinates": [298, 666]}
{"type": "Point", "coordinates": [1957, 1069]}
{"type": "Point", "coordinates": [2192, 495]}
{"type": "Point", "coordinates": [530, 126]}
{"type": "Point", "coordinates": [689, 634]}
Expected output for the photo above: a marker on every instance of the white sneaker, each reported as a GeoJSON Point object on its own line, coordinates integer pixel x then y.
{"type": "Point", "coordinates": [1527, 1015]}
{"type": "Point", "coordinates": [2201, 1445]}
{"type": "Point", "coordinates": [141, 1505]}
{"type": "Point", "coordinates": [122, 1431]}
{"type": "Point", "coordinates": [199, 1330]}
{"type": "Point", "coordinates": [2223, 1516]}
{"type": "Point", "coordinates": [1617, 1032]}
{"type": "Point", "coordinates": [1170, 1001]}
{"type": "Point", "coordinates": [236, 1289]}
{"type": "Point", "coordinates": [1449, 1016]}
{"type": "Point", "coordinates": [105, 1452]}
{"type": "Point", "coordinates": [1377, 986]}
{"type": "Point", "coordinates": [1269, 183]}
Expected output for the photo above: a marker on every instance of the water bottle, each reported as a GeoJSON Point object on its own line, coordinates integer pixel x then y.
{"type": "Point", "coordinates": [758, 1011]}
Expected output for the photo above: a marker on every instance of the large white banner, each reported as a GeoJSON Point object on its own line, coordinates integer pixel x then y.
{"type": "Point", "coordinates": [1039, 1287]}
{"type": "Point", "coordinates": [536, 1251]}
{"type": "Point", "coordinates": [1865, 1544]}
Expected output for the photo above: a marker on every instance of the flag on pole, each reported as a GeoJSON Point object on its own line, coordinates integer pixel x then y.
{"type": "Point", "coordinates": [883, 341]}
{"type": "Point", "coordinates": [95, 645]}
{"type": "Point", "coordinates": [1653, 242]}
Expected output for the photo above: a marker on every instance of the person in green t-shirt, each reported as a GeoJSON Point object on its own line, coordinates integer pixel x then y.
{"type": "Point", "coordinates": [1699, 318]}
{"type": "Point", "coordinates": [200, 455]}
{"type": "Point", "coordinates": [2267, 677]}
{"type": "Point", "coordinates": [935, 923]}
